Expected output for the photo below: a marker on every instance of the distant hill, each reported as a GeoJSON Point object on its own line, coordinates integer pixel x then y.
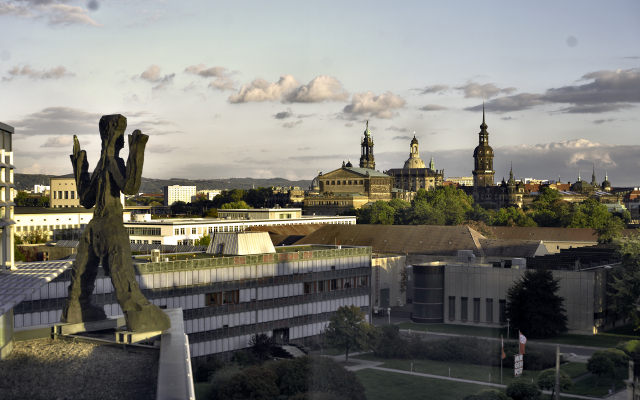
{"type": "Point", "coordinates": [27, 181]}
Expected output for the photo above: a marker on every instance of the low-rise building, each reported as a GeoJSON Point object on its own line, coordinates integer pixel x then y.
{"type": "Point", "coordinates": [185, 231]}
{"type": "Point", "coordinates": [63, 192]}
{"type": "Point", "coordinates": [461, 180]}
{"type": "Point", "coordinates": [261, 213]}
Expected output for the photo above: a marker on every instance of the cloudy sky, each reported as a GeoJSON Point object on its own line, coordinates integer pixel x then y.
{"type": "Point", "coordinates": [283, 88]}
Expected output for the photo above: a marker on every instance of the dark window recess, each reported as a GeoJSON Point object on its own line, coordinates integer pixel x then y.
{"type": "Point", "coordinates": [463, 308]}
{"type": "Point", "coordinates": [334, 284]}
{"type": "Point", "coordinates": [476, 310]}
{"type": "Point", "coordinates": [333, 267]}
{"type": "Point", "coordinates": [452, 307]}
{"type": "Point", "coordinates": [220, 298]}
{"type": "Point", "coordinates": [490, 311]}
{"type": "Point", "coordinates": [503, 311]}
{"type": "Point", "coordinates": [321, 286]}
{"type": "Point", "coordinates": [308, 287]}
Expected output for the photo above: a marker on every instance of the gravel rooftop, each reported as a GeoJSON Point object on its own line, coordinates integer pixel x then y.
{"type": "Point", "coordinates": [57, 369]}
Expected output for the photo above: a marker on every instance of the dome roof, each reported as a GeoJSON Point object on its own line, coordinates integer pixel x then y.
{"type": "Point", "coordinates": [414, 163]}
{"type": "Point", "coordinates": [606, 183]}
{"type": "Point", "coordinates": [414, 141]}
{"type": "Point", "coordinates": [483, 150]}
{"type": "Point", "coordinates": [315, 183]}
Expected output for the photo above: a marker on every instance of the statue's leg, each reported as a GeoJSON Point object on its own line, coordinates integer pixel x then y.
{"type": "Point", "coordinates": [140, 314]}
{"type": "Point", "coordinates": [78, 307]}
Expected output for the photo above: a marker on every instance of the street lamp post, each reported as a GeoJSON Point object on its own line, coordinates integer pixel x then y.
{"type": "Point", "coordinates": [389, 311]}
{"type": "Point", "coordinates": [507, 329]}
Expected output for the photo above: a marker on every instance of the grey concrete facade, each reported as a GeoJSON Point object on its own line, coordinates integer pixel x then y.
{"type": "Point", "coordinates": [584, 294]}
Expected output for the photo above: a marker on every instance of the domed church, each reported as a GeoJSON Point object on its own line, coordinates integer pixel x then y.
{"type": "Point", "coordinates": [415, 175]}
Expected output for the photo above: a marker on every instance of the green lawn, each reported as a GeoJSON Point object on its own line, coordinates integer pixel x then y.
{"type": "Point", "coordinates": [203, 390]}
{"type": "Point", "coordinates": [380, 385]}
{"type": "Point", "coordinates": [609, 339]}
{"type": "Point", "coordinates": [467, 371]}
{"type": "Point", "coordinates": [586, 387]}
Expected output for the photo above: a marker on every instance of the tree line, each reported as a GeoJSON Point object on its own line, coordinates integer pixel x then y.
{"type": "Point", "coordinates": [227, 199]}
{"type": "Point", "coordinates": [448, 205]}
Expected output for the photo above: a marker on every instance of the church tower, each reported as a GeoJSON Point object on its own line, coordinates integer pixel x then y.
{"type": "Point", "coordinates": [366, 159]}
{"type": "Point", "coordinates": [483, 172]}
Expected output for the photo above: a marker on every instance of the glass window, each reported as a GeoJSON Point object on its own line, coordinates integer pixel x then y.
{"type": "Point", "coordinates": [193, 231]}
{"type": "Point", "coordinates": [476, 310]}
{"type": "Point", "coordinates": [452, 307]}
{"type": "Point", "coordinates": [463, 308]}
{"type": "Point", "coordinates": [489, 311]}
{"type": "Point", "coordinates": [177, 231]}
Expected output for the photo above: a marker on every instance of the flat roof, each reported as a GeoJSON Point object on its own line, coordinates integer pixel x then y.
{"type": "Point", "coordinates": [6, 127]}
{"type": "Point", "coordinates": [202, 221]}
{"type": "Point", "coordinates": [46, 210]}
{"type": "Point", "coordinates": [257, 209]}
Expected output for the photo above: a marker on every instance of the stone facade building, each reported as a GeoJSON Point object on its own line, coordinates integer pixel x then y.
{"type": "Point", "coordinates": [415, 175]}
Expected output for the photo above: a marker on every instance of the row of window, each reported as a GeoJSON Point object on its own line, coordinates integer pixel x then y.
{"type": "Point", "coordinates": [328, 203]}
{"type": "Point", "coordinates": [144, 231]}
{"type": "Point", "coordinates": [139, 241]}
{"type": "Point", "coordinates": [48, 227]}
{"type": "Point", "coordinates": [204, 230]}
{"type": "Point", "coordinates": [335, 284]}
{"type": "Point", "coordinates": [476, 310]}
{"type": "Point", "coordinates": [58, 195]}
{"type": "Point", "coordinates": [337, 183]}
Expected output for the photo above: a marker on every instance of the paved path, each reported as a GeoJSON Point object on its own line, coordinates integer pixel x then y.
{"type": "Point", "coordinates": [357, 365]}
{"type": "Point", "coordinates": [580, 353]}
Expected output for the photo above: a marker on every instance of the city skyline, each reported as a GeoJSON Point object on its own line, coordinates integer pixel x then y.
{"type": "Point", "coordinates": [284, 89]}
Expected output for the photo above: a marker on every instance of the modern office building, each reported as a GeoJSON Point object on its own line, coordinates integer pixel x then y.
{"type": "Point", "coordinates": [7, 193]}
{"type": "Point", "coordinates": [185, 231]}
{"type": "Point", "coordinates": [226, 299]}
{"type": "Point", "coordinates": [176, 193]}
{"type": "Point", "coordinates": [261, 213]}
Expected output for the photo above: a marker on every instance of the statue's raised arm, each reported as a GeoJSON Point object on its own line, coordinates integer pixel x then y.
{"type": "Point", "coordinates": [129, 178]}
{"type": "Point", "coordinates": [84, 183]}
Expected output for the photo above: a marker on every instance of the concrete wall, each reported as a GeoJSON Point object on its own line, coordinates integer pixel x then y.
{"type": "Point", "coordinates": [6, 334]}
{"type": "Point", "coordinates": [584, 294]}
{"type": "Point", "coordinates": [387, 270]}
{"type": "Point", "coordinates": [554, 247]}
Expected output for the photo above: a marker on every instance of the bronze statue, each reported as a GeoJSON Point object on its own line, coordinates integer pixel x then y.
{"type": "Point", "coordinates": [105, 238]}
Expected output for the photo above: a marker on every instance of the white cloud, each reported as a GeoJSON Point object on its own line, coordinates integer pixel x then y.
{"type": "Point", "coordinates": [473, 89]}
{"type": "Point", "coordinates": [54, 11]}
{"type": "Point", "coordinates": [381, 106]}
{"type": "Point", "coordinates": [434, 89]}
{"type": "Point", "coordinates": [397, 129]}
{"type": "Point", "coordinates": [203, 71]}
{"type": "Point", "coordinates": [60, 141]}
{"type": "Point", "coordinates": [153, 74]}
{"type": "Point", "coordinates": [321, 88]}
{"type": "Point", "coordinates": [47, 169]}
{"type": "Point", "coordinates": [289, 90]}
{"type": "Point", "coordinates": [432, 107]}
{"type": "Point", "coordinates": [292, 124]}
{"type": "Point", "coordinates": [53, 73]}
{"type": "Point", "coordinates": [261, 90]}
{"type": "Point", "coordinates": [222, 83]}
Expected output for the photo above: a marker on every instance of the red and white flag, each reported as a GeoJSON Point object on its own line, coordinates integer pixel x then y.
{"type": "Point", "coordinates": [502, 343]}
{"type": "Point", "coordinates": [523, 341]}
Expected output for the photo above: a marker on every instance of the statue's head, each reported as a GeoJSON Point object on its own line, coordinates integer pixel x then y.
{"type": "Point", "coordinates": [112, 129]}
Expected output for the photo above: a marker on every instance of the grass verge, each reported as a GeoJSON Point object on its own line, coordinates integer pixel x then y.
{"type": "Point", "coordinates": [472, 372]}
{"type": "Point", "coordinates": [586, 387]}
{"type": "Point", "coordinates": [604, 340]}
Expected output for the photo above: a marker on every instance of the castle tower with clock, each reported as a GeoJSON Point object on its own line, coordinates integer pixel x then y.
{"type": "Point", "coordinates": [483, 173]}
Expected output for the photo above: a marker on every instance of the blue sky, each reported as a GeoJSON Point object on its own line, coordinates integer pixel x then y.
{"type": "Point", "coordinates": [266, 89]}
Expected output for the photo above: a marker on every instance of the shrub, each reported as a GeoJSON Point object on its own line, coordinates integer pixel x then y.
{"type": "Point", "coordinates": [240, 358]}
{"type": "Point", "coordinates": [487, 394]}
{"type": "Point", "coordinates": [203, 371]}
{"type": "Point", "coordinates": [252, 383]}
{"type": "Point", "coordinates": [221, 376]}
{"type": "Point", "coordinates": [520, 389]}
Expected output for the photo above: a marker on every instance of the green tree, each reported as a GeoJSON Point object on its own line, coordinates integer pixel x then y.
{"type": "Point", "coordinates": [179, 207]}
{"type": "Point", "coordinates": [17, 255]}
{"type": "Point", "coordinates": [625, 288]}
{"type": "Point", "coordinates": [547, 381]}
{"type": "Point", "coordinates": [534, 307]}
{"type": "Point", "coordinates": [349, 330]}
{"type": "Point", "coordinates": [520, 389]}
{"type": "Point", "coordinates": [262, 345]}
{"type": "Point", "coordinates": [422, 213]}
{"type": "Point", "coordinates": [546, 199]}
{"type": "Point", "coordinates": [588, 214]}
{"type": "Point", "coordinates": [211, 213]}
{"type": "Point", "coordinates": [381, 213]}
{"type": "Point", "coordinates": [235, 205]}
{"type": "Point", "coordinates": [253, 383]}
{"type": "Point", "coordinates": [43, 201]}
{"type": "Point", "coordinates": [610, 230]}
{"type": "Point", "coordinates": [22, 199]}
{"type": "Point", "coordinates": [599, 364]}
{"type": "Point", "coordinates": [204, 240]}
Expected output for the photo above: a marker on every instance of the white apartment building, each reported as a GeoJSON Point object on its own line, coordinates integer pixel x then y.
{"type": "Point", "coordinates": [261, 213]}
{"type": "Point", "coordinates": [176, 193]}
{"type": "Point", "coordinates": [41, 189]}
{"type": "Point", "coordinates": [185, 231]}
{"type": "Point", "coordinates": [210, 194]}
{"type": "Point", "coordinates": [7, 193]}
{"type": "Point", "coordinates": [53, 220]}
